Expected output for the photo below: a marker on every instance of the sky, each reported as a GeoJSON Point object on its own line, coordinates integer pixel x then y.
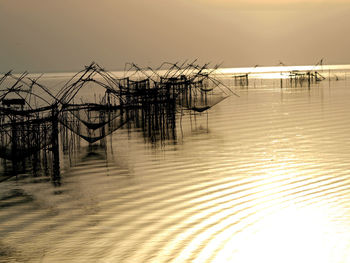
{"type": "Point", "coordinates": [61, 36]}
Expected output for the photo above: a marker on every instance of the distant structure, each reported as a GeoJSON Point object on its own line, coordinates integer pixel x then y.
{"type": "Point", "coordinates": [241, 80]}
{"type": "Point", "coordinates": [300, 77]}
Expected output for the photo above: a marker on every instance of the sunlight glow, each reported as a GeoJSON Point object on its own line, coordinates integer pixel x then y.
{"type": "Point", "coordinates": [278, 72]}
{"type": "Point", "coordinates": [292, 234]}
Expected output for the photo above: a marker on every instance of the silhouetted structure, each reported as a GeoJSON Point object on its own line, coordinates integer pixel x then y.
{"type": "Point", "coordinates": [94, 103]}
{"type": "Point", "coordinates": [242, 80]}
{"type": "Point", "coordinates": [300, 77]}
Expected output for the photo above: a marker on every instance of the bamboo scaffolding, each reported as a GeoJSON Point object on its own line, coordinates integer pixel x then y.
{"type": "Point", "coordinates": [94, 103]}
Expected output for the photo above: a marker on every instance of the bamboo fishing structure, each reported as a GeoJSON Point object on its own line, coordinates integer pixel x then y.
{"type": "Point", "coordinates": [241, 80]}
{"type": "Point", "coordinates": [300, 77]}
{"type": "Point", "coordinates": [94, 103]}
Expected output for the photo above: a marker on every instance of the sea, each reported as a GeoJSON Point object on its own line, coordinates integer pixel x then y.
{"type": "Point", "coordinates": [263, 176]}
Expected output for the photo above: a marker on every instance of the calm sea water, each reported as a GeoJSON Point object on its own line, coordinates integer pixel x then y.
{"type": "Point", "coordinates": [264, 177]}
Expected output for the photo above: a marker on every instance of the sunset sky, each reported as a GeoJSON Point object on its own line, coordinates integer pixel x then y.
{"type": "Point", "coordinates": [50, 36]}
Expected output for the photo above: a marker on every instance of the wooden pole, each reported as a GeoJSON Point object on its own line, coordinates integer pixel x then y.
{"type": "Point", "coordinates": [55, 146]}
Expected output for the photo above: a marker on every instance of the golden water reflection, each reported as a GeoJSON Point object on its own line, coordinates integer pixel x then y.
{"type": "Point", "coordinates": [291, 234]}
{"type": "Point", "coordinates": [266, 179]}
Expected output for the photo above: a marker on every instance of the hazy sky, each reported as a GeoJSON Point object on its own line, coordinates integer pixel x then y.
{"type": "Point", "coordinates": [58, 35]}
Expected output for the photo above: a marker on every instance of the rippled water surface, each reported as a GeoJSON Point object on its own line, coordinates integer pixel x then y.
{"type": "Point", "coordinates": [260, 178]}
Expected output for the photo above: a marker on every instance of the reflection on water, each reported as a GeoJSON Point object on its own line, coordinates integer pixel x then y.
{"type": "Point", "coordinates": [263, 177]}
